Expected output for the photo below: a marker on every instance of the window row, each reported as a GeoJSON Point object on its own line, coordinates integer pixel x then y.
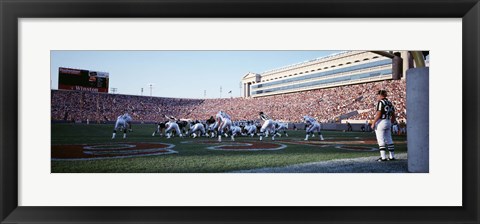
{"type": "Point", "coordinates": [325, 81]}
{"type": "Point", "coordinates": [326, 73]}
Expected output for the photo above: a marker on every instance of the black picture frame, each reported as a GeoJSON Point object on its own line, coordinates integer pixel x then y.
{"type": "Point", "coordinates": [11, 11]}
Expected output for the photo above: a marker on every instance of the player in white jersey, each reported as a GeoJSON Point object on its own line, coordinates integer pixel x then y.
{"type": "Point", "coordinates": [225, 115]}
{"type": "Point", "coordinates": [171, 126]}
{"type": "Point", "coordinates": [123, 122]}
{"type": "Point", "coordinates": [224, 124]}
{"type": "Point", "coordinates": [312, 126]}
{"type": "Point", "coordinates": [198, 127]}
{"type": "Point", "coordinates": [211, 126]}
{"type": "Point", "coordinates": [212, 129]}
{"type": "Point", "coordinates": [281, 126]}
{"type": "Point", "coordinates": [267, 127]}
{"type": "Point", "coordinates": [395, 128]}
{"type": "Point", "coordinates": [160, 128]}
{"type": "Point", "coordinates": [235, 131]}
{"type": "Point", "coordinates": [250, 129]}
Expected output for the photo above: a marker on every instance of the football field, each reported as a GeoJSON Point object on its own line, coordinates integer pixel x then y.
{"type": "Point", "coordinates": [81, 148]}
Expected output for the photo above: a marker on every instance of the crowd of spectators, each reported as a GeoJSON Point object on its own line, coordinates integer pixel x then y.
{"type": "Point", "coordinates": [326, 105]}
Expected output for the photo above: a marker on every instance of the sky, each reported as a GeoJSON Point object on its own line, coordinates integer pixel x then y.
{"type": "Point", "coordinates": [181, 74]}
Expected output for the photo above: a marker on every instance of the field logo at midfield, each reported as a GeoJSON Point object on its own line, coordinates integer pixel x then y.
{"type": "Point", "coordinates": [110, 151]}
{"type": "Point", "coordinates": [239, 146]}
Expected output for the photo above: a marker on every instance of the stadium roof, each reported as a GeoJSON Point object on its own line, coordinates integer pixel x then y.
{"type": "Point", "coordinates": [306, 62]}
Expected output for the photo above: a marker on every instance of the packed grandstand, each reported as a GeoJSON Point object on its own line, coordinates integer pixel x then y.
{"type": "Point", "coordinates": [326, 105]}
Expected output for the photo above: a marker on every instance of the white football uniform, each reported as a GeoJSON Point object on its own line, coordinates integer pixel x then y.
{"type": "Point", "coordinates": [171, 125]}
{"type": "Point", "coordinates": [212, 129]}
{"type": "Point", "coordinates": [267, 127]}
{"type": "Point", "coordinates": [212, 126]}
{"type": "Point", "coordinates": [312, 126]}
{"type": "Point", "coordinates": [251, 129]}
{"type": "Point", "coordinates": [235, 131]}
{"type": "Point", "coordinates": [195, 128]}
{"type": "Point", "coordinates": [395, 129]}
{"type": "Point", "coordinates": [122, 123]}
{"type": "Point", "coordinates": [280, 126]}
{"type": "Point", "coordinates": [223, 122]}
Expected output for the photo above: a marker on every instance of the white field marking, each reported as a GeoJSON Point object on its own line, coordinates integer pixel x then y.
{"type": "Point", "coordinates": [218, 147]}
{"type": "Point", "coordinates": [166, 151]}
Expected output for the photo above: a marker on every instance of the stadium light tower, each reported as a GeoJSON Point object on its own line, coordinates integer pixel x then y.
{"type": "Point", "coordinates": [220, 91]}
{"type": "Point", "coordinates": [114, 90]}
{"type": "Point", "coordinates": [150, 85]}
{"type": "Point", "coordinates": [141, 91]}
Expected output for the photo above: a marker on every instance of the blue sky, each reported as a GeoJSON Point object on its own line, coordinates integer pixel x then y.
{"type": "Point", "coordinates": [185, 74]}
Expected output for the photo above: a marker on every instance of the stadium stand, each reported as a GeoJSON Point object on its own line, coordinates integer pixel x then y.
{"type": "Point", "coordinates": [327, 105]}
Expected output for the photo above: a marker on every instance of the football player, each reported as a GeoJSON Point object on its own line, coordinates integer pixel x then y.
{"type": "Point", "coordinates": [281, 126]}
{"type": "Point", "coordinates": [160, 128]}
{"type": "Point", "coordinates": [250, 129]}
{"type": "Point", "coordinates": [197, 127]}
{"type": "Point", "coordinates": [224, 124]}
{"type": "Point", "coordinates": [172, 126]}
{"type": "Point", "coordinates": [123, 122]}
{"type": "Point", "coordinates": [235, 130]}
{"type": "Point", "coordinates": [267, 127]}
{"type": "Point", "coordinates": [312, 126]}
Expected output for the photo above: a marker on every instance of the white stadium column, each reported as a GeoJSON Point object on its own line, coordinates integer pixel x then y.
{"type": "Point", "coordinates": [244, 90]}
{"type": "Point", "coordinates": [418, 120]}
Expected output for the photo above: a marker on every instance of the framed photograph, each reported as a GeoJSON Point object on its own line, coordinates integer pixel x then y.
{"type": "Point", "coordinates": [245, 112]}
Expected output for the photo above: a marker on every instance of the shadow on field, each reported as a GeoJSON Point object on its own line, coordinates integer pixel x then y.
{"type": "Point", "coordinates": [355, 165]}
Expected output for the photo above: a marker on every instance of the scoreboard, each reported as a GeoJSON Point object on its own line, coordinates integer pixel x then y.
{"type": "Point", "coordinates": [83, 80]}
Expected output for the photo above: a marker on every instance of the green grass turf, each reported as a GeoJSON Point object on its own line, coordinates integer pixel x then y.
{"type": "Point", "coordinates": [195, 158]}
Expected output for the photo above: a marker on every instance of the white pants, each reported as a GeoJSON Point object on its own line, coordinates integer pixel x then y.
{"type": "Point", "coordinates": [236, 130]}
{"type": "Point", "coordinates": [395, 129]}
{"type": "Point", "coordinates": [251, 129]}
{"type": "Point", "coordinates": [282, 126]}
{"type": "Point", "coordinates": [268, 125]}
{"type": "Point", "coordinates": [174, 127]}
{"type": "Point", "coordinates": [314, 127]}
{"type": "Point", "coordinates": [212, 127]}
{"type": "Point", "coordinates": [121, 123]}
{"type": "Point", "coordinates": [226, 123]}
{"type": "Point", "coordinates": [384, 133]}
{"type": "Point", "coordinates": [197, 127]}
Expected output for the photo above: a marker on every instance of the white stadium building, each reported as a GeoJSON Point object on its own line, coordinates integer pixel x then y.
{"type": "Point", "coordinates": [344, 68]}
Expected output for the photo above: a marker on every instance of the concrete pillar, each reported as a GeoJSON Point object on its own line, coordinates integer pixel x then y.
{"type": "Point", "coordinates": [405, 62]}
{"type": "Point", "coordinates": [418, 120]}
